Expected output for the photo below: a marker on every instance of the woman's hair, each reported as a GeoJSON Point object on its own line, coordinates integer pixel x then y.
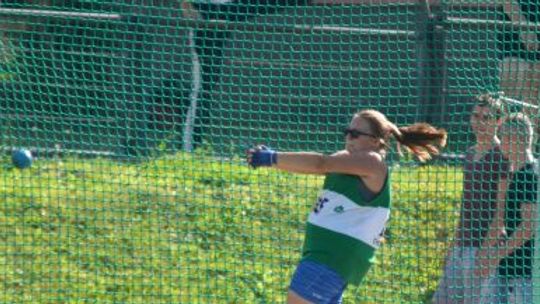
{"type": "Point", "coordinates": [421, 139]}
{"type": "Point", "coordinates": [494, 104]}
{"type": "Point", "coordinates": [518, 124]}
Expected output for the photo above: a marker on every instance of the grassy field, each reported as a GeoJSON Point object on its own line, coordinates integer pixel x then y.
{"type": "Point", "coordinates": [189, 229]}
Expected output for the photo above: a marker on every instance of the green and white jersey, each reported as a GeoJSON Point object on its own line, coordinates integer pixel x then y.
{"type": "Point", "coordinates": [344, 230]}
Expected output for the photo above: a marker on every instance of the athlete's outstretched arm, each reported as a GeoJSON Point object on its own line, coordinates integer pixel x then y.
{"type": "Point", "coordinates": [360, 164]}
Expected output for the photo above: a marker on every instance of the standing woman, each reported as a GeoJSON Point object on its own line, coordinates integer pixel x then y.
{"type": "Point", "coordinates": [514, 253]}
{"type": "Point", "coordinates": [348, 220]}
{"type": "Point", "coordinates": [482, 208]}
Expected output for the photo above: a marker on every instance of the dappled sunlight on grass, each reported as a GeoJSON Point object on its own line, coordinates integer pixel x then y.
{"type": "Point", "coordinates": [189, 229]}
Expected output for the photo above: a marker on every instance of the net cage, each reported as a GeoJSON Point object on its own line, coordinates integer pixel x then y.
{"type": "Point", "coordinates": [138, 115]}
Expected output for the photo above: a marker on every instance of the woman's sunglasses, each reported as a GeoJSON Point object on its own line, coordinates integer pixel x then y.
{"type": "Point", "coordinates": [356, 133]}
{"type": "Point", "coordinates": [483, 117]}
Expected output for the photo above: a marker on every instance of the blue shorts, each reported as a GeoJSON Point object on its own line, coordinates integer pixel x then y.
{"type": "Point", "coordinates": [317, 283]}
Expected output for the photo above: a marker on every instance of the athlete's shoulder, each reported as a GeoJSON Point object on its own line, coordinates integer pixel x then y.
{"type": "Point", "coordinates": [366, 155]}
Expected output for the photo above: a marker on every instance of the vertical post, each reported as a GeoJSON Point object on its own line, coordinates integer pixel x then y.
{"type": "Point", "coordinates": [431, 67]}
{"type": "Point", "coordinates": [422, 60]}
{"type": "Point", "coordinates": [536, 255]}
{"type": "Point", "coordinates": [193, 96]}
{"type": "Point", "coordinates": [437, 48]}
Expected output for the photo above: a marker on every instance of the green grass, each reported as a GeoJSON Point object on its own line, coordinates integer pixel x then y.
{"type": "Point", "coordinates": [192, 230]}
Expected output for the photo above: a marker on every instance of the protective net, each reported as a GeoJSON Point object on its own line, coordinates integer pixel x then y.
{"type": "Point", "coordinates": [138, 115]}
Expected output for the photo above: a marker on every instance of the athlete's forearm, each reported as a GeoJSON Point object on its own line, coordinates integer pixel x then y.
{"type": "Point", "coordinates": [497, 229]}
{"type": "Point", "coordinates": [301, 162]}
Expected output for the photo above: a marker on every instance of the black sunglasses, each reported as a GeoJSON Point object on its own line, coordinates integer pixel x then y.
{"type": "Point", "coordinates": [356, 133]}
{"type": "Point", "coordinates": [483, 117]}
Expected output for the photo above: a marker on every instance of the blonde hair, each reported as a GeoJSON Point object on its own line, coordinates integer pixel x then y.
{"type": "Point", "coordinates": [494, 104]}
{"type": "Point", "coordinates": [518, 124]}
{"type": "Point", "coordinates": [421, 139]}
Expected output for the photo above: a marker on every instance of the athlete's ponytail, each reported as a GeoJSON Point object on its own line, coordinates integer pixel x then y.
{"type": "Point", "coordinates": [421, 139]}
